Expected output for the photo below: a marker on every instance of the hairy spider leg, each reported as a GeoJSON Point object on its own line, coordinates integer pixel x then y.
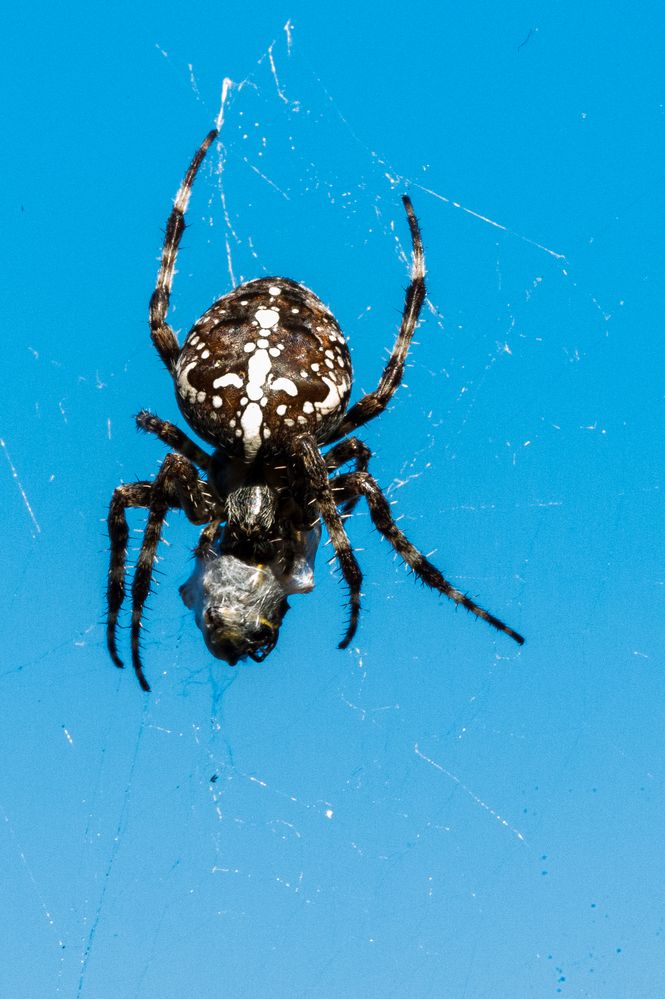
{"type": "Point", "coordinates": [316, 475]}
{"type": "Point", "coordinates": [351, 449]}
{"type": "Point", "coordinates": [205, 548]}
{"type": "Point", "coordinates": [134, 494]}
{"type": "Point", "coordinates": [162, 335]}
{"type": "Point", "coordinates": [177, 486]}
{"type": "Point", "coordinates": [356, 484]}
{"type": "Point", "coordinates": [174, 438]}
{"type": "Point", "coordinates": [375, 402]}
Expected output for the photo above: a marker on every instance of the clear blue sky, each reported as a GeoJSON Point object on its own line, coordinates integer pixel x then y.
{"type": "Point", "coordinates": [433, 812]}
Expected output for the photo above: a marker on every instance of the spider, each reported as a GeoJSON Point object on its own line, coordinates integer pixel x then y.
{"type": "Point", "coordinates": [264, 377]}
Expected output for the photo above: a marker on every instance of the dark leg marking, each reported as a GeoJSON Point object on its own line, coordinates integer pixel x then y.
{"type": "Point", "coordinates": [362, 483]}
{"type": "Point", "coordinates": [375, 402]}
{"type": "Point", "coordinates": [162, 335]}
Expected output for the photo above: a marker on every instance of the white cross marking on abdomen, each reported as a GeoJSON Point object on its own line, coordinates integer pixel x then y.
{"type": "Point", "coordinates": [257, 373]}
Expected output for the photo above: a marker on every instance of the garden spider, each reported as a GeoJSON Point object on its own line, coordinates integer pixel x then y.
{"type": "Point", "coordinates": [264, 376]}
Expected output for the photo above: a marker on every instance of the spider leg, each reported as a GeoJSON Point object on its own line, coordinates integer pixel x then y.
{"type": "Point", "coordinates": [177, 486]}
{"type": "Point", "coordinates": [204, 549]}
{"type": "Point", "coordinates": [135, 494]}
{"type": "Point", "coordinates": [351, 449]}
{"type": "Point", "coordinates": [174, 438]}
{"type": "Point", "coordinates": [162, 335]}
{"type": "Point", "coordinates": [375, 402]}
{"type": "Point", "coordinates": [363, 484]}
{"type": "Point", "coordinates": [316, 475]}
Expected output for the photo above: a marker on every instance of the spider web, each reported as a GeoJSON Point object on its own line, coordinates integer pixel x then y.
{"type": "Point", "coordinates": [373, 822]}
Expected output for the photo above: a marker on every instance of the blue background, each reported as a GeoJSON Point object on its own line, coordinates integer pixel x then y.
{"type": "Point", "coordinates": [433, 812]}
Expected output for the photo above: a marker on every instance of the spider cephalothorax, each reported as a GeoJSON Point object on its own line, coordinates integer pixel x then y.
{"type": "Point", "coordinates": [264, 376]}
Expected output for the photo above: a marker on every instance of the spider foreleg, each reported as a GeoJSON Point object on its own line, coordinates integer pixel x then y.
{"type": "Point", "coordinates": [363, 484]}
{"type": "Point", "coordinates": [375, 402]}
{"type": "Point", "coordinates": [136, 494]}
{"type": "Point", "coordinates": [162, 335]}
{"type": "Point", "coordinates": [174, 438]}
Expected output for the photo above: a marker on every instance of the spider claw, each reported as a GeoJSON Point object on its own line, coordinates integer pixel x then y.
{"type": "Point", "coordinates": [145, 686]}
{"type": "Point", "coordinates": [351, 628]}
{"type": "Point", "coordinates": [140, 675]}
{"type": "Point", "coordinates": [112, 647]}
{"type": "Point", "coordinates": [116, 660]}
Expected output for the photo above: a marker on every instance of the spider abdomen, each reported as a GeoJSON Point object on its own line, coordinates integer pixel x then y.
{"type": "Point", "coordinates": [265, 362]}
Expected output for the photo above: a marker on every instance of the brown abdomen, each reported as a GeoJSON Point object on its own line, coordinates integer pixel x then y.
{"type": "Point", "coordinates": [265, 362]}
